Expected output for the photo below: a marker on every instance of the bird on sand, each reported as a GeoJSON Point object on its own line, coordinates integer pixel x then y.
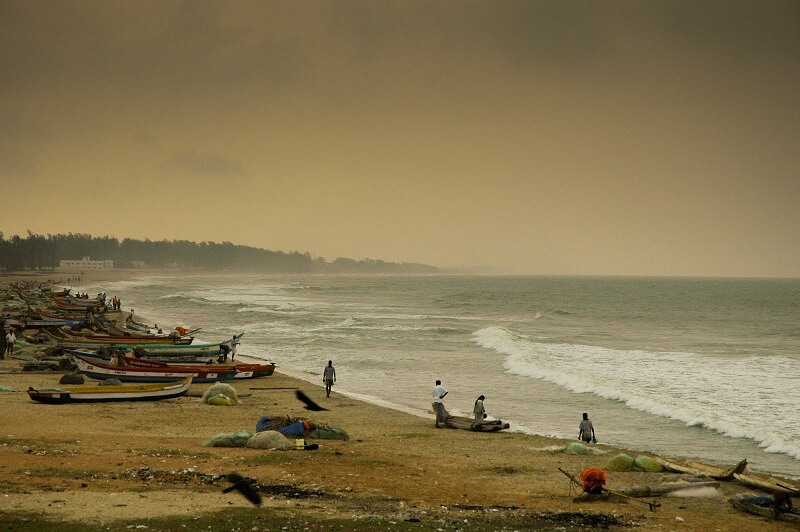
{"type": "Point", "coordinates": [310, 405]}
{"type": "Point", "coordinates": [244, 487]}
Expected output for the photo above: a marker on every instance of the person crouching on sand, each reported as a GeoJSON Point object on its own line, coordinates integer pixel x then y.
{"type": "Point", "coordinates": [478, 409]}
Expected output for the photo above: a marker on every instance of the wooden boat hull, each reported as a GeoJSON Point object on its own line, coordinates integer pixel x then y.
{"type": "Point", "coordinates": [740, 503]}
{"type": "Point", "coordinates": [108, 359]}
{"type": "Point", "coordinates": [151, 371]}
{"type": "Point", "coordinates": [701, 470]}
{"type": "Point", "coordinates": [468, 423]}
{"type": "Point", "coordinates": [72, 340]}
{"type": "Point", "coordinates": [103, 394]}
{"type": "Point", "coordinates": [769, 483]}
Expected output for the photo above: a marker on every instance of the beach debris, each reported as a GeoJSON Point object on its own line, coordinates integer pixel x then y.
{"type": "Point", "coordinates": [110, 382]}
{"type": "Point", "coordinates": [6, 389]}
{"type": "Point", "coordinates": [309, 403]}
{"type": "Point", "coordinates": [237, 439]}
{"type": "Point", "coordinates": [72, 378]}
{"type": "Point", "coordinates": [220, 393]}
{"type": "Point", "coordinates": [243, 486]}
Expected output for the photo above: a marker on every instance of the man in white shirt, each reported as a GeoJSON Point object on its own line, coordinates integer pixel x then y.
{"type": "Point", "coordinates": [234, 345]}
{"type": "Point", "coordinates": [439, 392]}
{"type": "Point", "coordinates": [10, 339]}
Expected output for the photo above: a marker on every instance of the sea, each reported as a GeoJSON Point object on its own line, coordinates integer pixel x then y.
{"type": "Point", "coordinates": [700, 368]}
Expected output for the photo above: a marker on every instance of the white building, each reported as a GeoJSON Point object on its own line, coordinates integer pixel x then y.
{"type": "Point", "coordinates": [85, 264]}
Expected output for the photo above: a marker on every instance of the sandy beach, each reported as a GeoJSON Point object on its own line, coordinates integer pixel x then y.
{"type": "Point", "coordinates": [126, 465]}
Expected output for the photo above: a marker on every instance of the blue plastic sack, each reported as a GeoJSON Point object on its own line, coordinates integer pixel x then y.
{"type": "Point", "coordinates": [296, 429]}
{"type": "Point", "coordinates": [263, 423]}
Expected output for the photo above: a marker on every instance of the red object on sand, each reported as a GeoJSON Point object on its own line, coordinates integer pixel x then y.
{"type": "Point", "coordinates": [593, 480]}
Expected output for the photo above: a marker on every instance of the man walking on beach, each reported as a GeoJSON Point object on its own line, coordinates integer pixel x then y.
{"type": "Point", "coordinates": [439, 392]}
{"type": "Point", "coordinates": [586, 430]}
{"type": "Point", "coordinates": [329, 377]}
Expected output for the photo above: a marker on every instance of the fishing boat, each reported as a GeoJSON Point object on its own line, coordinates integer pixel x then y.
{"type": "Point", "coordinates": [27, 323]}
{"type": "Point", "coordinates": [749, 504]}
{"type": "Point", "coordinates": [136, 370]}
{"type": "Point", "coordinates": [701, 470]}
{"type": "Point", "coordinates": [475, 425]}
{"type": "Point", "coordinates": [98, 394]}
{"type": "Point", "coordinates": [194, 349]}
{"type": "Point", "coordinates": [769, 483]}
{"type": "Point", "coordinates": [106, 357]}
{"type": "Point", "coordinates": [64, 339]}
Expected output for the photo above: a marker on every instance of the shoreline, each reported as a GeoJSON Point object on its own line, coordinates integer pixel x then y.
{"type": "Point", "coordinates": [74, 462]}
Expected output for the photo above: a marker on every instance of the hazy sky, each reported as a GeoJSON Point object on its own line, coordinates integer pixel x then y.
{"type": "Point", "coordinates": [567, 137]}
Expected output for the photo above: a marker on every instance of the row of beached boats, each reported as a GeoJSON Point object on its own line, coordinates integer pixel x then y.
{"type": "Point", "coordinates": [107, 345]}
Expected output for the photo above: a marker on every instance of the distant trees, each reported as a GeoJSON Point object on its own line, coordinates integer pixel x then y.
{"type": "Point", "coordinates": [44, 252]}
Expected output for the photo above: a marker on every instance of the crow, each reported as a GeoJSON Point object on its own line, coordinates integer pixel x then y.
{"type": "Point", "coordinates": [310, 405]}
{"type": "Point", "coordinates": [243, 486]}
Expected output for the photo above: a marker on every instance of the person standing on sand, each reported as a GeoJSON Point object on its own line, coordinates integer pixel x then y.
{"type": "Point", "coordinates": [586, 430]}
{"type": "Point", "coordinates": [234, 344]}
{"type": "Point", "coordinates": [329, 377]}
{"type": "Point", "coordinates": [478, 409]}
{"type": "Point", "coordinates": [439, 392]}
{"type": "Point", "coordinates": [10, 339]}
{"type": "Point", "coordinates": [2, 338]}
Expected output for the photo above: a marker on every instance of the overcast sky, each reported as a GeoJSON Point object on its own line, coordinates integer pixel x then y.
{"type": "Point", "coordinates": [545, 137]}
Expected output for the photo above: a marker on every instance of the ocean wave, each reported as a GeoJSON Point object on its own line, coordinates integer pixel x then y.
{"type": "Point", "coordinates": [740, 397]}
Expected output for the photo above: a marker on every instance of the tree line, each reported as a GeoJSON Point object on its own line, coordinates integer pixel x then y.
{"type": "Point", "coordinates": [40, 252]}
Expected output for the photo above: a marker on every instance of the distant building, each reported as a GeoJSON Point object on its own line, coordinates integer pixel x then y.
{"type": "Point", "coordinates": [138, 264]}
{"type": "Point", "coordinates": [85, 264]}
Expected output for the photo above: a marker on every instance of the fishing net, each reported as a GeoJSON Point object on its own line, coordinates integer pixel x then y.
{"type": "Point", "coordinates": [72, 378]}
{"type": "Point", "coordinates": [326, 432]}
{"type": "Point", "coordinates": [270, 439]}
{"type": "Point", "coordinates": [237, 439]}
{"type": "Point", "coordinates": [220, 400]}
{"type": "Point", "coordinates": [110, 382]}
{"type": "Point", "coordinates": [645, 463]}
{"type": "Point", "coordinates": [579, 448]}
{"type": "Point", "coordinates": [621, 462]}
{"type": "Point", "coordinates": [220, 389]}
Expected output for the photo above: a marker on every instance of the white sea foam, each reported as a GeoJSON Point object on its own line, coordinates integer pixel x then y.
{"type": "Point", "coordinates": [745, 397]}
